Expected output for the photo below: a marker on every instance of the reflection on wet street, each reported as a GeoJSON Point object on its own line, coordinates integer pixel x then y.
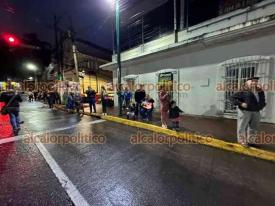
{"type": "Point", "coordinates": [97, 159]}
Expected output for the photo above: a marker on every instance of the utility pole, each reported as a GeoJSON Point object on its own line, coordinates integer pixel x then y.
{"type": "Point", "coordinates": [182, 14]}
{"type": "Point", "coordinates": [70, 35]}
{"type": "Point", "coordinates": [187, 13]}
{"type": "Point", "coordinates": [62, 38]}
{"type": "Point", "coordinates": [118, 56]}
{"type": "Point", "coordinates": [176, 21]}
{"type": "Point", "coordinates": [57, 55]}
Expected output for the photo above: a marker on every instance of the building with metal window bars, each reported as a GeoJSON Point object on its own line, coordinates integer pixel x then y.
{"type": "Point", "coordinates": [203, 59]}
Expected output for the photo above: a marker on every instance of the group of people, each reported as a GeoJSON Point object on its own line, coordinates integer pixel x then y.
{"type": "Point", "coordinates": [49, 97]}
{"type": "Point", "coordinates": [250, 101]}
{"type": "Point", "coordinates": [36, 95]}
{"type": "Point", "coordinates": [143, 105]}
{"type": "Point", "coordinates": [75, 101]}
{"type": "Point", "coordinates": [91, 99]}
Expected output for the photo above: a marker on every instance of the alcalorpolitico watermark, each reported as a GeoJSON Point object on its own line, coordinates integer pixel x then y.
{"type": "Point", "coordinates": [63, 139]}
{"type": "Point", "coordinates": [174, 86]}
{"type": "Point", "coordinates": [235, 86]}
{"type": "Point", "coordinates": [170, 140]}
{"type": "Point", "coordinates": [260, 138]}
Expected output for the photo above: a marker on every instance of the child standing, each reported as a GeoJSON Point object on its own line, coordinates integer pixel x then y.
{"type": "Point", "coordinates": [131, 112]}
{"type": "Point", "coordinates": [174, 115]}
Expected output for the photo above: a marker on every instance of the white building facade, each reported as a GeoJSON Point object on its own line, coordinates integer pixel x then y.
{"type": "Point", "coordinates": [204, 62]}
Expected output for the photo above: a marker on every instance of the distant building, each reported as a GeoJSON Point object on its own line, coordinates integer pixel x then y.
{"type": "Point", "coordinates": [89, 59]}
{"type": "Point", "coordinates": [201, 50]}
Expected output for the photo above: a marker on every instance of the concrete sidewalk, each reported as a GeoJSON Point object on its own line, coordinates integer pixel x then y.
{"type": "Point", "coordinates": [188, 136]}
{"type": "Point", "coordinates": [221, 128]}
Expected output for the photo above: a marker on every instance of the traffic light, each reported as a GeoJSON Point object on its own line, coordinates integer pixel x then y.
{"type": "Point", "coordinates": [11, 40]}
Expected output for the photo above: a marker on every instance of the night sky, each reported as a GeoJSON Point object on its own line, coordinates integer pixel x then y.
{"type": "Point", "coordinates": [92, 19]}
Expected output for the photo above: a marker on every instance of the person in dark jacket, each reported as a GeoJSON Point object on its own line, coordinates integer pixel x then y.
{"type": "Point", "coordinates": [51, 99]}
{"type": "Point", "coordinates": [78, 100]}
{"type": "Point", "coordinates": [127, 96]}
{"type": "Point", "coordinates": [104, 100]}
{"type": "Point", "coordinates": [13, 108]}
{"type": "Point", "coordinates": [70, 102]}
{"type": "Point", "coordinates": [35, 94]}
{"type": "Point", "coordinates": [91, 97]}
{"type": "Point", "coordinates": [174, 115]}
{"type": "Point", "coordinates": [139, 98]}
{"type": "Point", "coordinates": [57, 97]}
{"type": "Point", "coordinates": [250, 102]}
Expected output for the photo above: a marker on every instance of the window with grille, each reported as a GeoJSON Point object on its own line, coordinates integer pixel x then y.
{"type": "Point", "coordinates": [233, 73]}
{"type": "Point", "coordinates": [235, 77]}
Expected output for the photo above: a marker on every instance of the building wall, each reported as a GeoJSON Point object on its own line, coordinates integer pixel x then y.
{"type": "Point", "coordinates": [201, 68]}
{"type": "Point", "coordinates": [90, 80]}
{"type": "Point", "coordinates": [199, 53]}
{"type": "Point", "coordinates": [236, 20]}
{"type": "Point", "coordinates": [200, 100]}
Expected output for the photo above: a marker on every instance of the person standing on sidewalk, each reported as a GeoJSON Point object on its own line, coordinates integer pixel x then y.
{"type": "Point", "coordinates": [30, 93]}
{"type": "Point", "coordinates": [35, 93]}
{"type": "Point", "coordinates": [91, 97]}
{"type": "Point", "coordinates": [104, 99]}
{"type": "Point", "coordinates": [164, 99]}
{"type": "Point", "coordinates": [174, 115]}
{"type": "Point", "coordinates": [139, 98]}
{"type": "Point", "coordinates": [51, 99]}
{"type": "Point", "coordinates": [127, 96]}
{"type": "Point", "coordinates": [57, 97]}
{"type": "Point", "coordinates": [250, 102]}
{"type": "Point", "coordinates": [78, 100]}
{"type": "Point", "coordinates": [70, 102]}
{"type": "Point", "coordinates": [12, 107]}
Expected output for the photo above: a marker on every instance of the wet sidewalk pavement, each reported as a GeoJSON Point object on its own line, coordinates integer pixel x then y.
{"type": "Point", "coordinates": [219, 128]}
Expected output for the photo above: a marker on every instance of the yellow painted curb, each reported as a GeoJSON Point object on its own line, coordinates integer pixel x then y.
{"type": "Point", "coordinates": [194, 138]}
{"type": "Point", "coordinates": [199, 139]}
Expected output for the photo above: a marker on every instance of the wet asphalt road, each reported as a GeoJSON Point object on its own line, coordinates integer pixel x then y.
{"type": "Point", "coordinates": [120, 173]}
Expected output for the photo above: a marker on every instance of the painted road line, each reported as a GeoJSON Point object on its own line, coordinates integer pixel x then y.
{"type": "Point", "coordinates": [24, 136]}
{"type": "Point", "coordinates": [66, 183]}
{"type": "Point", "coordinates": [194, 138]}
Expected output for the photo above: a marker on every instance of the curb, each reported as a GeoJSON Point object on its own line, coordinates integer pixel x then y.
{"type": "Point", "coordinates": [190, 137]}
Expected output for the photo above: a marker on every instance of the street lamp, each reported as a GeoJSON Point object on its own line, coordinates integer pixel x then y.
{"type": "Point", "coordinates": [117, 16]}
{"type": "Point", "coordinates": [34, 68]}
{"type": "Point", "coordinates": [31, 67]}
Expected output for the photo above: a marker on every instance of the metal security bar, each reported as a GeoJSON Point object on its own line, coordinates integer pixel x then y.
{"type": "Point", "coordinates": [237, 71]}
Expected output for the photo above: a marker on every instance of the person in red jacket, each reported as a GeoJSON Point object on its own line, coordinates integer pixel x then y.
{"type": "Point", "coordinates": [13, 99]}
{"type": "Point", "coordinates": [164, 99]}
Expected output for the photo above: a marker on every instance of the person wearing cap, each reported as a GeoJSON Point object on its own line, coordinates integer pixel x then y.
{"type": "Point", "coordinates": [250, 101]}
